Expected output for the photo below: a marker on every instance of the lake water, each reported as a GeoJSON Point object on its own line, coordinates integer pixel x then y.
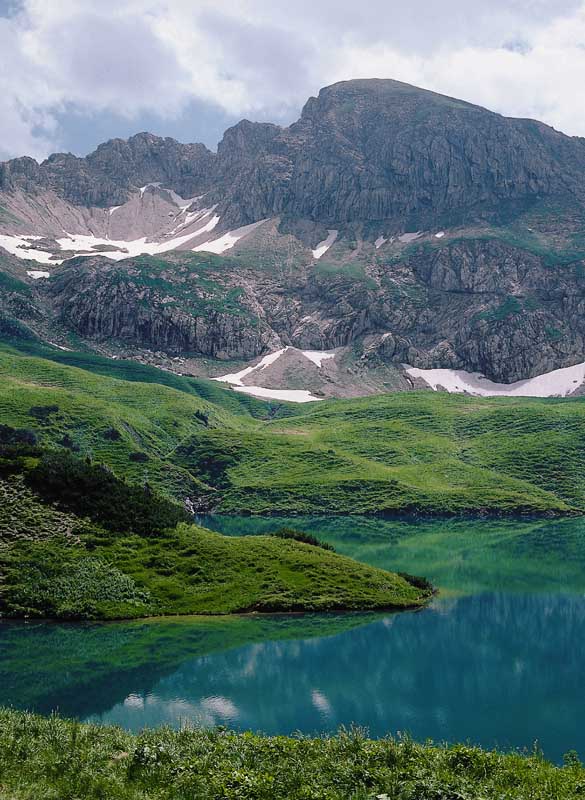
{"type": "Point", "coordinates": [498, 658]}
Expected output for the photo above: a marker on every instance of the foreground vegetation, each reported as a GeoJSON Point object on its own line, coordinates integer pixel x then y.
{"type": "Point", "coordinates": [50, 757]}
{"type": "Point", "coordinates": [414, 453]}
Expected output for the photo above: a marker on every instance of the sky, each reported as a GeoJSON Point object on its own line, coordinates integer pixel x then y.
{"type": "Point", "coordinates": [74, 73]}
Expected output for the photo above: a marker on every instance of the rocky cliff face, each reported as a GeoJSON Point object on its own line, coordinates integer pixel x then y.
{"type": "Point", "coordinates": [489, 277]}
{"type": "Point", "coordinates": [363, 152]}
{"type": "Point", "coordinates": [106, 176]}
{"type": "Point", "coordinates": [479, 305]}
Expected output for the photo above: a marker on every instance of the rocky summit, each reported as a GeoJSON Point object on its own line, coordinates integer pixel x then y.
{"type": "Point", "coordinates": [391, 238]}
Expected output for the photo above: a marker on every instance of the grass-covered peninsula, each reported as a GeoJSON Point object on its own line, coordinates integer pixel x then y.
{"type": "Point", "coordinates": [44, 758]}
{"type": "Point", "coordinates": [78, 543]}
{"type": "Point", "coordinates": [415, 453]}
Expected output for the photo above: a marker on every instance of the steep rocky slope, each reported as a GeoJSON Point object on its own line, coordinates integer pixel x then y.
{"type": "Point", "coordinates": [389, 224]}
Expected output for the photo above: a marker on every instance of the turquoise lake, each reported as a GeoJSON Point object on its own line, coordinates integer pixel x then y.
{"type": "Point", "coordinates": [497, 659]}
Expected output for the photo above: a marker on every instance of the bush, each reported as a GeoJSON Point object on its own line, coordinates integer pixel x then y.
{"type": "Point", "coordinates": [301, 536]}
{"type": "Point", "coordinates": [112, 434]}
{"type": "Point", "coordinates": [42, 413]}
{"type": "Point", "coordinates": [417, 582]}
{"type": "Point", "coordinates": [15, 436]}
{"type": "Point", "coordinates": [56, 580]}
{"type": "Point", "coordinates": [139, 457]}
{"type": "Point", "coordinates": [89, 490]}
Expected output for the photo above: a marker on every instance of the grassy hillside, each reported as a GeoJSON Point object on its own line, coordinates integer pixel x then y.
{"type": "Point", "coordinates": [417, 452]}
{"type": "Point", "coordinates": [47, 758]}
{"type": "Point", "coordinates": [76, 542]}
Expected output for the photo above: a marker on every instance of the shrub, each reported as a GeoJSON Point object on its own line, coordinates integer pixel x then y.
{"type": "Point", "coordinates": [56, 580]}
{"type": "Point", "coordinates": [139, 457]}
{"type": "Point", "coordinates": [42, 413]}
{"type": "Point", "coordinates": [301, 536]}
{"type": "Point", "coordinates": [417, 582]}
{"type": "Point", "coordinates": [112, 435]}
{"type": "Point", "coordinates": [93, 491]}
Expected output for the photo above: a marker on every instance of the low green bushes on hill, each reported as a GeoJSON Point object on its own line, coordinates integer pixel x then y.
{"type": "Point", "coordinates": [44, 758]}
{"type": "Point", "coordinates": [92, 490]}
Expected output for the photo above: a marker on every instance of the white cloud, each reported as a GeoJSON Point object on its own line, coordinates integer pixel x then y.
{"type": "Point", "coordinates": [263, 58]}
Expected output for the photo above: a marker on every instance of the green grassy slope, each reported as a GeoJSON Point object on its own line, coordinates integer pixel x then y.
{"type": "Point", "coordinates": [417, 452]}
{"type": "Point", "coordinates": [87, 558]}
{"type": "Point", "coordinates": [191, 571]}
{"type": "Point", "coordinates": [47, 758]}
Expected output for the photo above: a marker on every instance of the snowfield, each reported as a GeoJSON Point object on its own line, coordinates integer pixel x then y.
{"type": "Point", "coordinates": [35, 274]}
{"type": "Point", "coordinates": [324, 246]}
{"type": "Point", "coordinates": [292, 395]}
{"type": "Point", "coordinates": [318, 356]}
{"type": "Point", "coordinates": [228, 240]}
{"type": "Point", "coordinates": [558, 383]}
{"type": "Point", "coordinates": [19, 246]}
{"type": "Point", "coordinates": [235, 379]}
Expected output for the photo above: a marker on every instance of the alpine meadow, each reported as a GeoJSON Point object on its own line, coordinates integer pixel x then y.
{"type": "Point", "coordinates": [292, 428]}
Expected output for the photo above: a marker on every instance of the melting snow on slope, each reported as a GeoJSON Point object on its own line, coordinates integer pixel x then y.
{"type": "Point", "coordinates": [19, 246]}
{"type": "Point", "coordinates": [439, 235]}
{"type": "Point", "coordinates": [35, 274]}
{"type": "Point", "coordinates": [324, 246]}
{"type": "Point", "coordinates": [406, 238]}
{"type": "Point", "coordinates": [558, 383]}
{"type": "Point", "coordinates": [142, 189]}
{"type": "Point", "coordinates": [318, 356]}
{"type": "Point", "coordinates": [228, 239]}
{"type": "Point", "coordinates": [379, 242]}
{"type": "Point", "coordinates": [194, 216]}
{"type": "Point", "coordinates": [235, 378]}
{"type": "Point", "coordinates": [292, 395]}
{"type": "Point", "coordinates": [76, 242]}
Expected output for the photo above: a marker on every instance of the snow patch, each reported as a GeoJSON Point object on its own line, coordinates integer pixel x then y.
{"type": "Point", "coordinates": [292, 395]}
{"type": "Point", "coordinates": [142, 189]}
{"type": "Point", "coordinates": [83, 244]}
{"type": "Point", "coordinates": [558, 383]}
{"type": "Point", "coordinates": [409, 237]}
{"type": "Point", "coordinates": [439, 235]}
{"type": "Point", "coordinates": [112, 209]}
{"type": "Point", "coordinates": [35, 274]}
{"type": "Point", "coordinates": [235, 378]}
{"type": "Point", "coordinates": [228, 240]}
{"type": "Point", "coordinates": [324, 246]}
{"type": "Point", "coordinates": [60, 347]}
{"type": "Point", "coordinates": [198, 216]}
{"type": "Point", "coordinates": [318, 356]}
{"type": "Point", "coordinates": [20, 246]}
{"type": "Point", "coordinates": [380, 241]}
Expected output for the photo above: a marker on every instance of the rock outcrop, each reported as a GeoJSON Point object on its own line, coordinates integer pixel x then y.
{"type": "Point", "coordinates": [363, 152]}
{"type": "Point", "coordinates": [381, 168]}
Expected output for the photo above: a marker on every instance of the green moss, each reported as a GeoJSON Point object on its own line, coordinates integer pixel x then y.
{"type": "Point", "coordinates": [508, 308]}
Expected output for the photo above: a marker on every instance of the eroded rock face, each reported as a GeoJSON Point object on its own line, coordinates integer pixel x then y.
{"type": "Point", "coordinates": [363, 152]}
{"type": "Point", "coordinates": [369, 151]}
{"type": "Point", "coordinates": [107, 303]}
{"type": "Point", "coordinates": [106, 176]}
{"type": "Point", "coordinates": [478, 305]}
{"type": "Point", "coordinates": [367, 161]}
